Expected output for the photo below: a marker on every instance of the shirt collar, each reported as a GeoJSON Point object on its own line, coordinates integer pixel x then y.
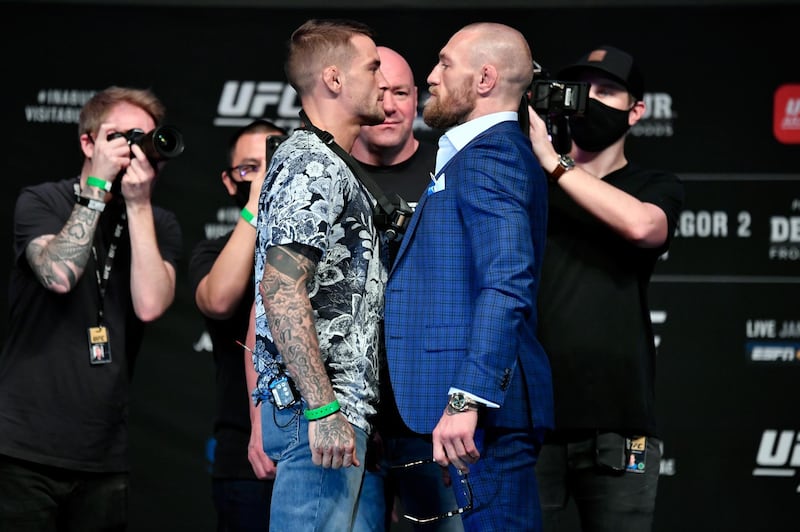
{"type": "Point", "coordinates": [462, 134]}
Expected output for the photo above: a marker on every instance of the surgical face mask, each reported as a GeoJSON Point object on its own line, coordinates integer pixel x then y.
{"type": "Point", "coordinates": [242, 193]}
{"type": "Point", "coordinates": [599, 127]}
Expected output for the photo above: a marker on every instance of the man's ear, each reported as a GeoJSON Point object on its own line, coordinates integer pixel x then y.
{"type": "Point", "coordinates": [636, 112]}
{"type": "Point", "coordinates": [87, 145]}
{"type": "Point", "coordinates": [230, 186]}
{"type": "Point", "coordinates": [331, 76]}
{"type": "Point", "coordinates": [488, 79]}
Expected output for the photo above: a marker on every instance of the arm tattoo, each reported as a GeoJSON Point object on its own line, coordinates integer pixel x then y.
{"type": "Point", "coordinates": [291, 321]}
{"type": "Point", "coordinates": [58, 261]}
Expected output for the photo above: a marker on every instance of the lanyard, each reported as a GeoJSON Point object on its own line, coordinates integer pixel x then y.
{"type": "Point", "coordinates": [102, 278]}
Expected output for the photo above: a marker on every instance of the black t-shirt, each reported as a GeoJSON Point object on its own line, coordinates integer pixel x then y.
{"type": "Point", "coordinates": [56, 408]}
{"type": "Point", "coordinates": [594, 317]}
{"type": "Point", "coordinates": [408, 179]}
{"type": "Point", "coordinates": [232, 423]}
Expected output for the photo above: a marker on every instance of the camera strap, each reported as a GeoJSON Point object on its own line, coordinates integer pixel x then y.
{"type": "Point", "coordinates": [385, 211]}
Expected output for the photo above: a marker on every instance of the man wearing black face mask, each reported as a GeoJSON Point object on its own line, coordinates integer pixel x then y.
{"type": "Point", "coordinates": [221, 272]}
{"type": "Point", "coordinates": [609, 221]}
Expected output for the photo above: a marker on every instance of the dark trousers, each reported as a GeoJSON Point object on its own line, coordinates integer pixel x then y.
{"type": "Point", "coordinates": [242, 505]}
{"type": "Point", "coordinates": [37, 498]}
{"type": "Point", "coordinates": [504, 489]}
{"type": "Point", "coordinates": [607, 499]}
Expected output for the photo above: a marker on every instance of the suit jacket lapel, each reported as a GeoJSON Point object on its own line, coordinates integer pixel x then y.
{"type": "Point", "coordinates": [412, 226]}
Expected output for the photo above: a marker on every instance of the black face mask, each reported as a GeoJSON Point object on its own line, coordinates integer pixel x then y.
{"type": "Point", "coordinates": [599, 127]}
{"type": "Point", "coordinates": [242, 193]}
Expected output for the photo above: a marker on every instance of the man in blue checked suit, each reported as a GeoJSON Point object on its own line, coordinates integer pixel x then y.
{"type": "Point", "coordinates": [464, 360]}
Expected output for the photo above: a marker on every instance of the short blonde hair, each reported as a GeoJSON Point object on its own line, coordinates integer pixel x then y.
{"type": "Point", "coordinates": [95, 111]}
{"type": "Point", "coordinates": [317, 44]}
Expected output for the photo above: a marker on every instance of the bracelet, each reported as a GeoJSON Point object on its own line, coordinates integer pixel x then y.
{"type": "Point", "coordinates": [96, 182]}
{"type": "Point", "coordinates": [248, 217]}
{"type": "Point", "coordinates": [323, 411]}
{"type": "Point", "coordinates": [95, 205]}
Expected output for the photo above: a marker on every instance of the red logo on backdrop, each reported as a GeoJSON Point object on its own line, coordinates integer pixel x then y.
{"type": "Point", "coordinates": [786, 122]}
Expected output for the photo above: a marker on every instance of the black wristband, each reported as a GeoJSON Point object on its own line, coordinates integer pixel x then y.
{"type": "Point", "coordinates": [95, 205]}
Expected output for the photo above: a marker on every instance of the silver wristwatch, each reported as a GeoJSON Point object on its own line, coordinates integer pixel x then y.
{"type": "Point", "coordinates": [458, 402]}
{"type": "Point", "coordinates": [565, 163]}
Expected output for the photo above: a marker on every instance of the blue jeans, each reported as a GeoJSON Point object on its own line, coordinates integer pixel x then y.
{"type": "Point", "coordinates": [421, 489]}
{"type": "Point", "coordinates": [373, 503]}
{"type": "Point", "coordinates": [40, 498]}
{"type": "Point", "coordinates": [607, 500]}
{"type": "Point", "coordinates": [306, 496]}
{"type": "Point", "coordinates": [242, 504]}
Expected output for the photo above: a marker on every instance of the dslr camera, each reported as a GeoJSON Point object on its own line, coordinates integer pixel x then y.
{"type": "Point", "coordinates": [553, 98]}
{"type": "Point", "coordinates": [395, 217]}
{"type": "Point", "coordinates": [161, 144]}
{"type": "Point", "coordinates": [555, 101]}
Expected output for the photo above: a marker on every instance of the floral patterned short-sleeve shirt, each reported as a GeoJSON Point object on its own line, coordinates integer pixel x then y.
{"type": "Point", "coordinates": [311, 197]}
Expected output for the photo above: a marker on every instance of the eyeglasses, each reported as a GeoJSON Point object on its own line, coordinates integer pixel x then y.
{"type": "Point", "coordinates": [466, 491]}
{"type": "Point", "coordinates": [242, 170]}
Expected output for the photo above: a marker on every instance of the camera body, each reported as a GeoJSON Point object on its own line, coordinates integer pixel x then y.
{"type": "Point", "coordinates": [160, 144]}
{"type": "Point", "coordinates": [394, 223]}
{"type": "Point", "coordinates": [550, 98]}
{"type": "Point", "coordinates": [556, 101]}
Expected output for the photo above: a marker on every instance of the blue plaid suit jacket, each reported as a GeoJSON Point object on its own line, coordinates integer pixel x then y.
{"type": "Point", "coordinates": [461, 297]}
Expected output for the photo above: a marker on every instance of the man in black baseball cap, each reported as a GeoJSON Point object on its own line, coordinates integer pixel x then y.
{"type": "Point", "coordinates": [606, 119]}
{"type": "Point", "coordinates": [613, 62]}
{"type": "Point", "coordinates": [608, 222]}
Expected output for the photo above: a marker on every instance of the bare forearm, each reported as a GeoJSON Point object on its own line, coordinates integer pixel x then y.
{"type": "Point", "coordinates": [58, 261]}
{"type": "Point", "coordinates": [641, 223]}
{"type": "Point", "coordinates": [291, 320]}
{"type": "Point", "coordinates": [152, 278]}
{"type": "Point", "coordinates": [219, 293]}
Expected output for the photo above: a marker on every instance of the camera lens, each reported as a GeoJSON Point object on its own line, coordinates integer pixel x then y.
{"type": "Point", "coordinates": [165, 142]}
{"type": "Point", "coordinates": [162, 143]}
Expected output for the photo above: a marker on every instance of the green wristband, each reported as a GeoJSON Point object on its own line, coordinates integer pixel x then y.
{"type": "Point", "coordinates": [96, 182]}
{"type": "Point", "coordinates": [248, 217]}
{"type": "Point", "coordinates": [323, 411]}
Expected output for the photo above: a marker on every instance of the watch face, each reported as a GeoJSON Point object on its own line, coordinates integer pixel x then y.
{"type": "Point", "coordinates": [458, 401]}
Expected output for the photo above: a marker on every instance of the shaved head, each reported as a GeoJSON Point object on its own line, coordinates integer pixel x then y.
{"type": "Point", "coordinates": [395, 67]}
{"type": "Point", "coordinates": [506, 49]}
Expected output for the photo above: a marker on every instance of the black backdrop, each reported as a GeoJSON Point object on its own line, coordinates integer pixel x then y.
{"type": "Point", "coordinates": [723, 89]}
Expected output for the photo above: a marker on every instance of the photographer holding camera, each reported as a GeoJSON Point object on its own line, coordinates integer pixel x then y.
{"type": "Point", "coordinates": [91, 267]}
{"type": "Point", "coordinates": [609, 221]}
